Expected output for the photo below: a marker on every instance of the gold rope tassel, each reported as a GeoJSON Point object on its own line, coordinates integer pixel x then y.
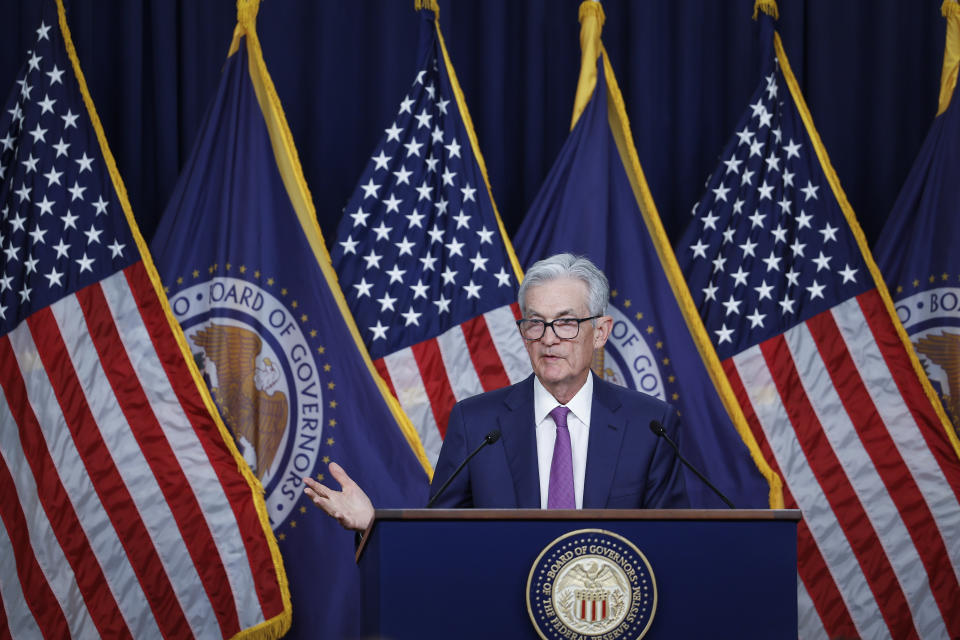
{"type": "Point", "coordinates": [769, 7]}
{"type": "Point", "coordinates": [591, 25]}
{"type": "Point", "coordinates": [247, 11]}
{"type": "Point", "coordinates": [246, 23]}
{"type": "Point", "coordinates": [951, 54]}
{"type": "Point", "coordinates": [430, 5]}
{"type": "Point", "coordinates": [592, 8]}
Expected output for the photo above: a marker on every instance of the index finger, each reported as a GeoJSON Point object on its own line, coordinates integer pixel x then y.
{"type": "Point", "coordinates": [312, 484]}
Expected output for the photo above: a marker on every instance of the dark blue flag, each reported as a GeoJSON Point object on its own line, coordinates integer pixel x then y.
{"type": "Point", "coordinates": [251, 284]}
{"type": "Point", "coordinates": [595, 202]}
{"type": "Point", "coordinates": [916, 251]}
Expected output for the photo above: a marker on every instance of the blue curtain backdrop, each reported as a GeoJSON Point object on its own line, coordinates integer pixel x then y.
{"type": "Point", "coordinates": [869, 69]}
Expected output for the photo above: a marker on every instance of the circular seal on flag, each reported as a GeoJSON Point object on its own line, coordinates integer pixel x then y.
{"type": "Point", "coordinates": [932, 320]}
{"type": "Point", "coordinates": [629, 361]}
{"type": "Point", "coordinates": [263, 377]}
{"type": "Point", "coordinates": [591, 583]}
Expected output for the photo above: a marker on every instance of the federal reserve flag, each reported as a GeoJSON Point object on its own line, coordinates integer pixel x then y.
{"type": "Point", "coordinates": [251, 284]}
{"type": "Point", "coordinates": [425, 265]}
{"type": "Point", "coordinates": [124, 509]}
{"type": "Point", "coordinates": [808, 337]}
{"type": "Point", "coordinates": [595, 202]}
{"type": "Point", "coordinates": [917, 250]}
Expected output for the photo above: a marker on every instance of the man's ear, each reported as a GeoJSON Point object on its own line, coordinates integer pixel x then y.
{"type": "Point", "coordinates": [602, 331]}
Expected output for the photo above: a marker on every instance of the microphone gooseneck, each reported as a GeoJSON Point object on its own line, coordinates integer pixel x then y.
{"type": "Point", "coordinates": [490, 438]}
{"type": "Point", "coordinates": [660, 432]}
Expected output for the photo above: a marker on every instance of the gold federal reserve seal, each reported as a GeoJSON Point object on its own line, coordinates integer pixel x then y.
{"type": "Point", "coordinates": [591, 583]}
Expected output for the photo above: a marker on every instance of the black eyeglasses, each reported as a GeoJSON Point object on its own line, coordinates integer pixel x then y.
{"type": "Point", "coordinates": [563, 328]}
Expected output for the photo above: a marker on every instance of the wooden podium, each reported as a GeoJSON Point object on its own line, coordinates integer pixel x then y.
{"type": "Point", "coordinates": [462, 573]}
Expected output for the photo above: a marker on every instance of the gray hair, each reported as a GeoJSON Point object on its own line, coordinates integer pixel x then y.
{"type": "Point", "coordinates": [567, 265]}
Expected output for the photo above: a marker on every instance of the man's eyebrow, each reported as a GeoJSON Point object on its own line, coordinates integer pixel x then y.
{"type": "Point", "coordinates": [565, 313]}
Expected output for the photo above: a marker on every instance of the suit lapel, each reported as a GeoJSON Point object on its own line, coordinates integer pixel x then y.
{"type": "Point", "coordinates": [520, 443]}
{"type": "Point", "coordinates": [607, 427]}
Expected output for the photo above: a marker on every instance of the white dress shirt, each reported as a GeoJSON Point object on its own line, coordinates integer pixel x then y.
{"type": "Point", "coordinates": [578, 423]}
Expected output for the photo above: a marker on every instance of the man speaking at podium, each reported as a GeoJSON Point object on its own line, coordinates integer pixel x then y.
{"type": "Point", "coordinates": [561, 439]}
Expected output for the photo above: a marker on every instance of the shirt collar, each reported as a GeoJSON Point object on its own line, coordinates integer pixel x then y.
{"type": "Point", "coordinates": [579, 405]}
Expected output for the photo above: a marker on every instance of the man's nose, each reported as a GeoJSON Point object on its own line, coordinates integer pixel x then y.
{"type": "Point", "coordinates": [549, 336]}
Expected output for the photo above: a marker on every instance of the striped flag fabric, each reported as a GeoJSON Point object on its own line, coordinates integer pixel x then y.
{"type": "Point", "coordinates": [423, 258]}
{"type": "Point", "coordinates": [124, 512]}
{"type": "Point", "coordinates": [808, 337]}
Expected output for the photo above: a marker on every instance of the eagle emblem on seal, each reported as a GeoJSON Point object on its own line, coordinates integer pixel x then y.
{"type": "Point", "coordinates": [255, 411]}
{"type": "Point", "coordinates": [944, 351]}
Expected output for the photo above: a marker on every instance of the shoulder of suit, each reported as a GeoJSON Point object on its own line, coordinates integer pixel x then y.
{"type": "Point", "coordinates": [634, 400]}
{"type": "Point", "coordinates": [514, 393]}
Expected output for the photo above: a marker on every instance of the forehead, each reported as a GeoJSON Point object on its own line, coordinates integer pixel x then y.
{"type": "Point", "coordinates": [557, 296]}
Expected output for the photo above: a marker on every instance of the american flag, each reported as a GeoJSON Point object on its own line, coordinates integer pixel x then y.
{"type": "Point", "coordinates": [124, 513]}
{"type": "Point", "coordinates": [788, 292]}
{"type": "Point", "coordinates": [422, 258]}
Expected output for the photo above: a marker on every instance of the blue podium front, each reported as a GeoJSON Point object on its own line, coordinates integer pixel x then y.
{"type": "Point", "coordinates": [604, 574]}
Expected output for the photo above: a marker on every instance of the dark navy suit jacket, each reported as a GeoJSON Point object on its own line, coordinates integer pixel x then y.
{"type": "Point", "coordinates": [628, 467]}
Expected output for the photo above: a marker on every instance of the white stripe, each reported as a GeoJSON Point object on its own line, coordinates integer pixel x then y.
{"type": "Point", "coordinates": [135, 471]}
{"type": "Point", "coordinates": [188, 450]}
{"type": "Point", "coordinates": [20, 620]}
{"type": "Point", "coordinates": [809, 624]}
{"type": "Point", "coordinates": [405, 376]}
{"type": "Point", "coordinates": [865, 480]}
{"type": "Point", "coordinates": [509, 345]}
{"type": "Point", "coordinates": [901, 426]}
{"type": "Point", "coordinates": [456, 360]}
{"type": "Point", "coordinates": [46, 548]}
{"type": "Point", "coordinates": [820, 519]}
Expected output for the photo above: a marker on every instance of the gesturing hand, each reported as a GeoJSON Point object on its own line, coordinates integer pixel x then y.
{"type": "Point", "coordinates": [350, 506]}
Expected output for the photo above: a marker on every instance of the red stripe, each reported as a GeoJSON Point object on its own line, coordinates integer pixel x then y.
{"type": "Point", "coordinates": [483, 353]}
{"type": "Point", "coordinates": [168, 474]}
{"type": "Point", "coordinates": [515, 307]}
{"type": "Point", "coordinates": [900, 484]}
{"type": "Point", "coordinates": [434, 376]}
{"type": "Point", "coordinates": [837, 490]}
{"type": "Point", "coordinates": [898, 362]}
{"type": "Point", "coordinates": [36, 591]}
{"type": "Point", "coordinates": [107, 482]}
{"type": "Point", "coordinates": [235, 488]}
{"type": "Point", "coordinates": [381, 367]}
{"type": "Point", "coordinates": [811, 566]}
{"type": "Point", "coordinates": [63, 520]}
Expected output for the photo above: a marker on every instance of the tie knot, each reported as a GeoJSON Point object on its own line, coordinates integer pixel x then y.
{"type": "Point", "coordinates": [559, 415]}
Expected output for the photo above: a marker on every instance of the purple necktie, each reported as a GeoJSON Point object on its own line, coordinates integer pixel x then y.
{"type": "Point", "coordinates": [560, 494]}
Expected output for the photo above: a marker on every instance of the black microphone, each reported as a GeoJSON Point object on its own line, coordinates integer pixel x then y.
{"type": "Point", "coordinates": [660, 432]}
{"type": "Point", "coordinates": [490, 438]}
